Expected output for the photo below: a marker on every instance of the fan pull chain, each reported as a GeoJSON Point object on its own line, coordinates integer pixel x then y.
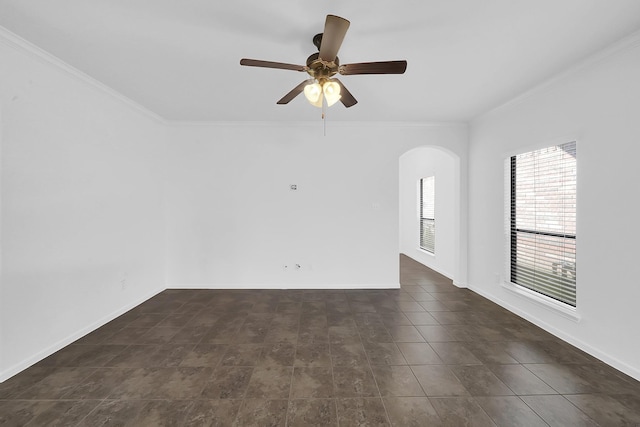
{"type": "Point", "coordinates": [324, 120]}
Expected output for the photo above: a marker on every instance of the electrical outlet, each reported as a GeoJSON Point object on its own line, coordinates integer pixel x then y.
{"type": "Point", "coordinates": [123, 284]}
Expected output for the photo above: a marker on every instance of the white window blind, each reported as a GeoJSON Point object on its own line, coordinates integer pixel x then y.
{"type": "Point", "coordinates": [427, 214]}
{"type": "Point", "coordinates": [542, 221]}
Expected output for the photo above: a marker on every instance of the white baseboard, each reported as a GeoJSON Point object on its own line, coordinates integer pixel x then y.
{"type": "Point", "coordinates": [19, 367]}
{"type": "Point", "coordinates": [250, 286]}
{"type": "Point", "coordinates": [595, 352]}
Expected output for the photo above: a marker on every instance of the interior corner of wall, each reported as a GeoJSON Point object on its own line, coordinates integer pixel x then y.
{"type": "Point", "coordinates": [460, 284]}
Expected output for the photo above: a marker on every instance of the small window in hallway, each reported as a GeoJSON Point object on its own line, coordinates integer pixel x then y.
{"type": "Point", "coordinates": [542, 221]}
{"type": "Point", "coordinates": [427, 214]}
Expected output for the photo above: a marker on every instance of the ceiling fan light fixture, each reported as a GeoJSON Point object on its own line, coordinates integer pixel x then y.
{"type": "Point", "coordinates": [323, 65]}
{"type": "Point", "coordinates": [313, 93]}
{"type": "Point", "coordinates": [331, 92]}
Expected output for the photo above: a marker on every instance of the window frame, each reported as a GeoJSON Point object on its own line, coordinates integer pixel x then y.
{"type": "Point", "coordinates": [422, 218]}
{"type": "Point", "coordinates": [566, 309]}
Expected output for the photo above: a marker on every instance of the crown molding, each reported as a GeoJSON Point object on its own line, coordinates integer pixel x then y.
{"type": "Point", "coordinates": [318, 124]}
{"type": "Point", "coordinates": [627, 43]}
{"type": "Point", "coordinates": [14, 41]}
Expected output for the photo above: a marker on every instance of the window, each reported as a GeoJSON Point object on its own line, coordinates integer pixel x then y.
{"type": "Point", "coordinates": [542, 221]}
{"type": "Point", "coordinates": [427, 214]}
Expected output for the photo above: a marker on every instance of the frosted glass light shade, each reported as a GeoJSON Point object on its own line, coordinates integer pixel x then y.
{"type": "Point", "coordinates": [331, 92]}
{"type": "Point", "coordinates": [313, 93]}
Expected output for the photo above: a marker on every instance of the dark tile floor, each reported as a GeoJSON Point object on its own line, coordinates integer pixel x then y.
{"type": "Point", "coordinates": [429, 354]}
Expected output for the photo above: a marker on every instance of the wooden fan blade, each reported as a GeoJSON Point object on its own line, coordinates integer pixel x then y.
{"type": "Point", "coordinates": [271, 64]}
{"type": "Point", "coordinates": [335, 28]}
{"type": "Point", "coordinates": [384, 67]}
{"type": "Point", "coordinates": [345, 96]}
{"type": "Point", "coordinates": [294, 92]}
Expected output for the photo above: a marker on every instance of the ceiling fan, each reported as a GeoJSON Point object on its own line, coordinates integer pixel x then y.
{"type": "Point", "coordinates": [324, 65]}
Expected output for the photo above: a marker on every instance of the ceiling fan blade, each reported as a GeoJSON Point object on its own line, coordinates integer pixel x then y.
{"type": "Point", "coordinates": [384, 67]}
{"type": "Point", "coordinates": [271, 64]}
{"type": "Point", "coordinates": [294, 92]}
{"type": "Point", "coordinates": [345, 96]}
{"type": "Point", "coordinates": [335, 28]}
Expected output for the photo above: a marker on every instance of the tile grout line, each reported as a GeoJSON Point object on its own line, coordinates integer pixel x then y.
{"type": "Point", "coordinates": [88, 413]}
{"type": "Point", "coordinates": [293, 368]}
{"type": "Point", "coordinates": [375, 381]}
{"type": "Point", "coordinates": [542, 418]}
{"type": "Point", "coordinates": [333, 378]}
{"type": "Point", "coordinates": [242, 400]}
{"type": "Point", "coordinates": [334, 393]}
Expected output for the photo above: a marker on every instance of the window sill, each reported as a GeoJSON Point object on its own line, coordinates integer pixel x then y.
{"type": "Point", "coordinates": [426, 252]}
{"type": "Point", "coordinates": [544, 301]}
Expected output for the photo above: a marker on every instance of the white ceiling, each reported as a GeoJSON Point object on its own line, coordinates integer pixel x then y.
{"type": "Point", "coordinates": [180, 58]}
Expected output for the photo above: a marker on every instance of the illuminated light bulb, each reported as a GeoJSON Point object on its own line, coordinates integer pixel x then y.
{"type": "Point", "coordinates": [331, 92]}
{"type": "Point", "coordinates": [313, 93]}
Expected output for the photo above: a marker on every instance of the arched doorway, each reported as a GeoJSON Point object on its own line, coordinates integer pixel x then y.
{"type": "Point", "coordinates": [449, 249]}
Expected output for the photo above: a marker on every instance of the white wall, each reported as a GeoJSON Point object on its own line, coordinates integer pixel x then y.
{"type": "Point", "coordinates": [599, 104]}
{"type": "Point", "coordinates": [2, 378]}
{"type": "Point", "coordinates": [414, 165]}
{"type": "Point", "coordinates": [234, 222]}
{"type": "Point", "coordinates": [97, 213]}
{"type": "Point", "coordinates": [81, 205]}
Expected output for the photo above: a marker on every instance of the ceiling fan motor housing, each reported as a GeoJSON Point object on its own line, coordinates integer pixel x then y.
{"type": "Point", "coordinates": [317, 40]}
{"type": "Point", "coordinates": [317, 68]}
